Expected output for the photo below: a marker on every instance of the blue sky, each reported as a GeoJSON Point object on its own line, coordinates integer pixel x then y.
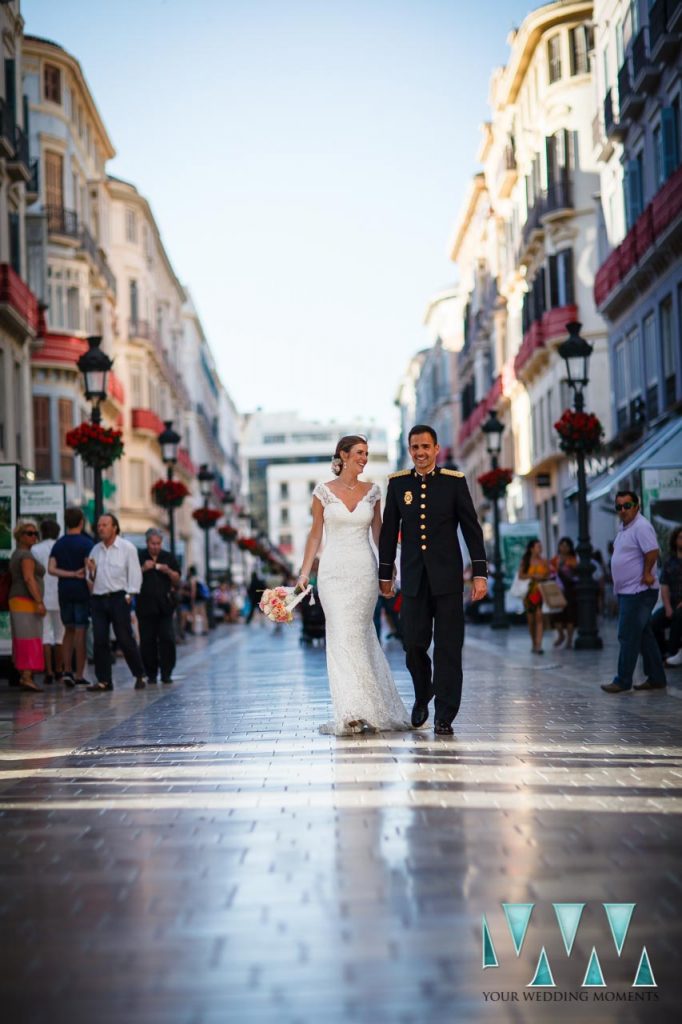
{"type": "Point", "coordinates": [305, 161]}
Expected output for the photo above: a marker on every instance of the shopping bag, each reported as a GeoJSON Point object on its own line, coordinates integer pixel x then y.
{"type": "Point", "coordinates": [519, 587]}
{"type": "Point", "coordinates": [553, 598]}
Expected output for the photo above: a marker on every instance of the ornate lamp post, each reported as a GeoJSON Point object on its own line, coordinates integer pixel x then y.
{"type": "Point", "coordinates": [228, 502]}
{"type": "Point", "coordinates": [169, 441]}
{"type": "Point", "coordinates": [493, 430]}
{"type": "Point", "coordinates": [95, 366]}
{"type": "Point", "coordinates": [206, 478]}
{"type": "Point", "coordinates": [576, 352]}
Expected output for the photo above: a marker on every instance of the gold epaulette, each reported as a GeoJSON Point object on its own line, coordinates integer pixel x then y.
{"type": "Point", "coordinates": [401, 472]}
{"type": "Point", "coordinates": [451, 472]}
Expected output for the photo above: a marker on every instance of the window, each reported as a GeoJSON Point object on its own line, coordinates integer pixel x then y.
{"type": "Point", "coordinates": [137, 488]}
{"type": "Point", "coordinates": [52, 83]}
{"type": "Point", "coordinates": [14, 242]}
{"type": "Point", "coordinates": [620, 49]}
{"type": "Point", "coordinates": [667, 143]}
{"type": "Point", "coordinates": [136, 387]}
{"type": "Point", "coordinates": [284, 516]}
{"type": "Point", "coordinates": [41, 436]}
{"type": "Point", "coordinates": [620, 377]}
{"type": "Point", "coordinates": [66, 456]}
{"type": "Point", "coordinates": [633, 189]}
{"type": "Point", "coordinates": [561, 291]}
{"type": "Point", "coordinates": [131, 226]}
{"type": "Point", "coordinates": [580, 44]}
{"type": "Point", "coordinates": [635, 375]}
{"type": "Point", "coordinates": [54, 189]}
{"type": "Point", "coordinates": [73, 309]}
{"type": "Point", "coordinates": [285, 542]}
{"type": "Point", "coordinates": [283, 491]}
{"type": "Point", "coordinates": [554, 58]}
{"type": "Point", "coordinates": [668, 349]}
{"type": "Point", "coordinates": [651, 365]}
{"type": "Point", "coordinates": [134, 301]}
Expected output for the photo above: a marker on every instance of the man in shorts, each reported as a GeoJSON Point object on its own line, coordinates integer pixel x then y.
{"type": "Point", "coordinates": [53, 630]}
{"type": "Point", "coordinates": [67, 563]}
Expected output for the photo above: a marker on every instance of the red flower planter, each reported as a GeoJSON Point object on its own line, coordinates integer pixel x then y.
{"type": "Point", "coordinates": [495, 482]}
{"type": "Point", "coordinates": [169, 493]}
{"type": "Point", "coordinates": [206, 517]}
{"type": "Point", "coordinates": [98, 446]}
{"type": "Point", "coordinates": [579, 432]}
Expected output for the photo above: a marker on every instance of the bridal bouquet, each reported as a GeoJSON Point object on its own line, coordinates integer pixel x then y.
{"type": "Point", "coordinates": [278, 604]}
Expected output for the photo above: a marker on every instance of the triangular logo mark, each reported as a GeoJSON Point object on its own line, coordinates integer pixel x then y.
{"type": "Point", "coordinates": [518, 916]}
{"type": "Point", "coordinates": [489, 955]}
{"type": "Point", "coordinates": [619, 915]}
{"type": "Point", "coordinates": [543, 974]}
{"type": "Point", "coordinates": [593, 975]}
{"type": "Point", "coordinates": [645, 976]}
{"type": "Point", "coordinates": [568, 915]}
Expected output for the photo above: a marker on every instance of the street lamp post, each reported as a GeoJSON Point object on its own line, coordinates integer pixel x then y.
{"type": "Point", "coordinates": [95, 366]}
{"type": "Point", "coordinates": [169, 440]}
{"type": "Point", "coordinates": [493, 429]}
{"type": "Point", "coordinates": [228, 502]}
{"type": "Point", "coordinates": [206, 478]}
{"type": "Point", "coordinates": [576, 352]}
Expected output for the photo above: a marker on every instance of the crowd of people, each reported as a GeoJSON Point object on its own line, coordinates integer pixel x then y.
{"type": "Point", "coordinates": [69, 593]}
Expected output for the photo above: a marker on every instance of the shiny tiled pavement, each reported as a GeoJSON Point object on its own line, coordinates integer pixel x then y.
{"type": "Point", "coordinates": [200, 854]}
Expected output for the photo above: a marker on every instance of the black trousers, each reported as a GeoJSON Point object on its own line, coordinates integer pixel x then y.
{"type": "Point", "coordinates": [441, 617]}
{"type": "Point", "coordinates": [157, 644]}
{"type": "Point", "coordinates": [113, 610]}
{"type": "Point", "coordinates": [659, 624]}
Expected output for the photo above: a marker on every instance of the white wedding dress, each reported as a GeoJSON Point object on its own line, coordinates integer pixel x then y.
{"type": "Point", "coordinates": [362, 687]}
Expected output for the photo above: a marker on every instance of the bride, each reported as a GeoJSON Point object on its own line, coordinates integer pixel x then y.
{"type": "Point", "coordinates": [362, 688]}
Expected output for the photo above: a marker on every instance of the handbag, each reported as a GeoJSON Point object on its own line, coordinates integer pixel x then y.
{"type": "Point", "coordinates": [519, 587]}
{"type": "Point", "coordinates": [553, 597]}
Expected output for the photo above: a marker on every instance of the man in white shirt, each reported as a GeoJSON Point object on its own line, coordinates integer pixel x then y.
{"type": "Point", "coordinates": [53, 630]}
{"type": "Point", "coordinates": [114, 570]}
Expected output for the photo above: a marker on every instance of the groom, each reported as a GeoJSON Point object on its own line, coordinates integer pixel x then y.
{"type": "Point", "coordinates": [426, 505]}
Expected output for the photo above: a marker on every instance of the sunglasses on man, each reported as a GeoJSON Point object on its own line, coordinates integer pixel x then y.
{"type": "Point", "coordinates": [624, 505]}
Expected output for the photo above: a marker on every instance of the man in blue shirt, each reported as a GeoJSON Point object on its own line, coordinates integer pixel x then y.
{"type": "Point", "coordinates": [67, 563]}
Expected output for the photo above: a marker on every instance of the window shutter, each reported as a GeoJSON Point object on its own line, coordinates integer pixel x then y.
{"type": "Point", "coordinates": [567, 256]}
{"type": "Point", "coordinates": [669, 142]}
{"type": "Point", "coordinates": [633, 191]}
{"type": "Point", "coordinates": [41, 436]}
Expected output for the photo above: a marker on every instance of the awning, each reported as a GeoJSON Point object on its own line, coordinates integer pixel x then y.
{"type": "Point", "coordinates": [662, 450]}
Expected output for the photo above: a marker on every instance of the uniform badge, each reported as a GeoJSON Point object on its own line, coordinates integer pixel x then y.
{"type": "Point", "coordinates": [408, 497]}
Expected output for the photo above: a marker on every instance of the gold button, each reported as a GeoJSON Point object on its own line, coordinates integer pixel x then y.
{"type": "Point", "coordinates": [422, 506]}
{"type": "Point", "coordinates": [423, 547]}
{"type": "Point", "coordinates": [423, 526]}
{"type": "Point", "coordinates": [423, 516]}
{"type": "Point", "coordinates": [423, 487]}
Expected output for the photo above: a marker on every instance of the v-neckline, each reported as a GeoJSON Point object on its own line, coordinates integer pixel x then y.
{"type": "Point", "coordinates": [342, 502]}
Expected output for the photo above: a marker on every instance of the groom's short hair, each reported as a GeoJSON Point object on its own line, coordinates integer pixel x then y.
{"type": "Point", "coordinates": [423, 428]}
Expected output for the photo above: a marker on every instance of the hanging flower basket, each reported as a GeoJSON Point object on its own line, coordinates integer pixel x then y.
{"type": "Point", "coordinates": [227, 532]}
{"type": "Point", "coordinates": [98, 446]}
{"type": "Point", "coordinates": [579, 432]}
{"type": "Point", "coordinates": [206, 517]}
{"type": "Point", "coordinates": [495, 482]}
{"type": "Point", "coordinates": [169, 493]}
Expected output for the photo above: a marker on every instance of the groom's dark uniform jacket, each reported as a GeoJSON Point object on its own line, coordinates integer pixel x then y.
{"type": "Point", "coordinates": [427, 511]}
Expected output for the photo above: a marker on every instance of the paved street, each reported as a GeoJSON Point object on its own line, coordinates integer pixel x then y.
{"type": "Point", "coordinates": [200, 854]}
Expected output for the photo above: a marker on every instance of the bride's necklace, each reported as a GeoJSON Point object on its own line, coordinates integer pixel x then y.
{"type": "Point", "coordinates": [348, 486]}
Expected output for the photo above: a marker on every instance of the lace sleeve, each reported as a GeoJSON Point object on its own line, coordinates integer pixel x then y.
{"type": "Point", "coordinates": [322, 494]}
{"type": "Point", "coordinates": [374, 495]}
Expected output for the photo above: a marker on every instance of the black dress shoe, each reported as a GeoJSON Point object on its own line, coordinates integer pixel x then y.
{"type": "Point", "coordinates": [99, 687]}
{"type": "Point", "coordinates": [140, 683]}
{"type": "Point", "coordinates": [420, 713]}
{"type": "Point", "coordinates": [167, 681]}
{"type": "Point", "coordinates": [443, 729]}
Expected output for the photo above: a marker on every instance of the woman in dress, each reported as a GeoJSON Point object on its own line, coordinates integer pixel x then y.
{"type": "Point", "coordinates": [536, 569]}
{"type": "Point", "coordinates": [564, 565]}
{"type": "Point", "coordinates": [26, 607]}
{"type": "Point", "coordinates": [346, 509]}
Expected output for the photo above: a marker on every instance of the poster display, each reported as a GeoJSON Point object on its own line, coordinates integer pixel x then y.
{"type": "Point", "coordinates": [662, 502]}
{"type": "Point", "coordinates": [9, 501]}
{"type": "Point", "coordinates": [43, 501]}
{"type": "Point", "coordinates": [513, 540]}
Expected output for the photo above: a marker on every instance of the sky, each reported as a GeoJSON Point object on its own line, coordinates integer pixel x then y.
{"type": "Point", "coordinates": [305, 161]}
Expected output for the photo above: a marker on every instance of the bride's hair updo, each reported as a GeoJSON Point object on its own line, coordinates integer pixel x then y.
{"type": "Point", "coordinates": [344, 445]}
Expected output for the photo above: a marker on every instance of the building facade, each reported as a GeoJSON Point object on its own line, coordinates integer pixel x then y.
{"type": "Point", "coordinates": [19, 310]}
{"type": "Point", "coordinates": [638, 288]}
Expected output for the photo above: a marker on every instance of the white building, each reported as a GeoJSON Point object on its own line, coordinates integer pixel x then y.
{"type": "Point", "coordinates": [283, 458]}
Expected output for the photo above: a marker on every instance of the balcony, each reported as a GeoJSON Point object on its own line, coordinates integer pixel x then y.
{"type": "Point", "coordinates": [476, 418]}
{"type": "Point", "coordinates": [645, 74]}
{"type": "Point", "coordinates": [65, 223]}
{"type": "Point", "coordinates": [558, 199]}
{"type": "Point", "coordinates": [33, 183]}
{"type": "Point", "coordinates": [664, 29]}
{"type": "Point", "coordinates": [62, 349]}
{"type": "Point", "coordinates": [631, 101]}
{"type": "Point", "coordinates": [185, 462]}
{"type": "Point", "coordinates": [18, 305]}
{"type": "Point", "coordinates": [89, 245]}
{"type": "Point", "coordinates": [649, 245]}
{"type": "Point", "coordinates": [6, 130]}
{"type": "Point", "coordinates": [61, 221]}
{"type": "Point", "coordinates": [146, 421]}
{"type": "Point", "coordinates": [142, 330]}
{"type": "Point", "coordinates": [540, 336]}
{"type": "Point", "coordinates": [115, 388]}
{"type": "Point", "coordinates": [532, 224]}
{"type": "Point", "coordinates": [612, 126]}
{"type": "Point", "coordinates": [18, 163]}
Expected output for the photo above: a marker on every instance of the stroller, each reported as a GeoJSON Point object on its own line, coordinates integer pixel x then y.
{"type": "Point", "coordinates": [312, 620]}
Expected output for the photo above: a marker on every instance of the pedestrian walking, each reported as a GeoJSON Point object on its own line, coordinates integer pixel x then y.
{"type": "Point", "coordinates": [669, 615]}
{"type": "Point", "coordinates": [255, 592]}
{"type": "Point", "coordinates": [635, 584]}
{"type": "Point", "coordinates": [114, 570]}
{"type": "Point", "coordinates": [536, 570]}
{"type": "Point", "coordinates": [155, 608]}
{"type": "Point", "coordinates": [564, 565]}
{"type": "Point", "coordinates": [53, 628]}
{"type": "Point", "coordinates": [26, 606]}
{"type": "Point", "coordinates": [67, 565]}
